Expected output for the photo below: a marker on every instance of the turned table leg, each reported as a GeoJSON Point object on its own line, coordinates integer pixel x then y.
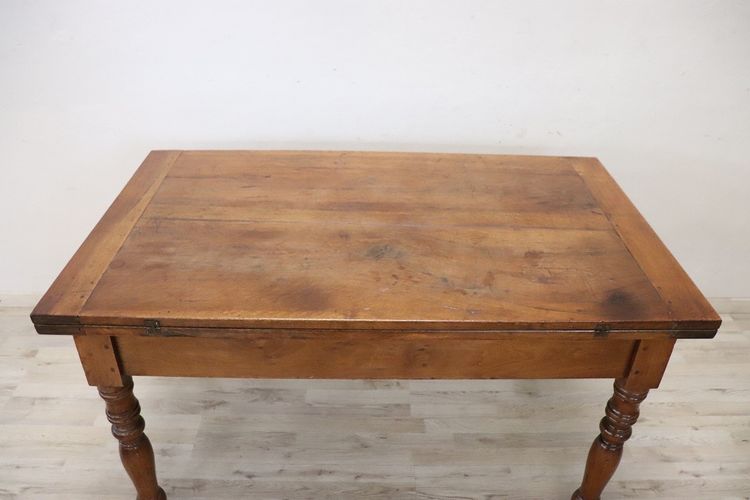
{"type": "Point", "coordinates": [650, 358]}
{"type": "Point", "coordinates": [616, 427]}
{"type": "Point", "coordinates": [124, 412]}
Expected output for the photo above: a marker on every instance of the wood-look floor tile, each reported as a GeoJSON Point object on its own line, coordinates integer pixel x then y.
{"type": "Point", "coordinates": [388, 439]}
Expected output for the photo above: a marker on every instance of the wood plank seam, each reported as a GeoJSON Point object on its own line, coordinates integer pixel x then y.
{"type": "Point", "coordinates": [624, 241]}
{"type": "Point", "coordinates": [682, 295]}
{"type": "Point", "coordinates": [149, 197]}
{"type": "Point", "coordinates": [62, 304]}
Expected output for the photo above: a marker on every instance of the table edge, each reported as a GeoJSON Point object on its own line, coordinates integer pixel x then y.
{"type": "Point", "coordinates": [91, 260]}
{"type": "Point", "coordinates": [685, 303]}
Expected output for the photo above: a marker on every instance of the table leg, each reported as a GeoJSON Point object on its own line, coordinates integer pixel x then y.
{"type": "Point", "coordinates": [616, 427]}
{"type": "Point", "coordinates": [136, 453]}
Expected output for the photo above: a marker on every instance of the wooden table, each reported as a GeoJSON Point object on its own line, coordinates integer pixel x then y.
{"type": "Point", "coordinates": [269, 264]}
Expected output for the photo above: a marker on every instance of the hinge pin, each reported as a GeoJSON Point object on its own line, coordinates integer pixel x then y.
{"type": "Point", "coordinates": [601, 329]}
{"type": "Point", "coordinates": [152, 327]}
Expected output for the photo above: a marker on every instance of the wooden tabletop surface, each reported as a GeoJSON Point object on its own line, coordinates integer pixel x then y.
{"type": "Point", "coordinates": [384, 241]}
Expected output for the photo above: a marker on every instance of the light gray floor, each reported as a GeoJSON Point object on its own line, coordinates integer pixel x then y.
{"type": "Point", "coordinates": [274, 439]}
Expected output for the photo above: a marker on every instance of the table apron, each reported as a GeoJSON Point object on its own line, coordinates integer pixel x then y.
{"type": "Point", "coordinates": [342, 356]}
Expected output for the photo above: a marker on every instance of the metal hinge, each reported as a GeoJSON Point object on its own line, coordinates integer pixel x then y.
{"type": "Point", "coordinates": [152, 327]}
{"type": "Point", "coordinates": [601, 330]}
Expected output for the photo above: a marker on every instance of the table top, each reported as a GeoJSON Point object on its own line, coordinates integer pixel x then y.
{"type": "Point", "coordinates": [375, 241]}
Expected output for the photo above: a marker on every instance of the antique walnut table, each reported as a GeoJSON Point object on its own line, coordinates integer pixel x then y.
{"type": "Point", "coordinates": [270, 264]}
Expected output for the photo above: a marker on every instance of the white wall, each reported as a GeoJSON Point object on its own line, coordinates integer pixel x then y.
{"type": "Point", "coordinates": [660, 91]}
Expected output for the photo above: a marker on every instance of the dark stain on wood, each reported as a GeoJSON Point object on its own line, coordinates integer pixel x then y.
{"type": "Point", "coordinates": [383, 251]}
{"type": "Point", "coordinates": [621, 303]}
{"type": "Point", "coordinates": [305, 298]}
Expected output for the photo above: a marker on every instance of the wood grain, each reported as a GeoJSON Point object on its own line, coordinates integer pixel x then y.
{"type": "Point", "coordinates": [650, 358]}
{"type": "Point", "coordinates": [683, 299]}
{"type": "Point", "coordinates": [616, 427]}
{"type": "Point", "coordinates": [136, 452]}
{"type": "Point", "coordinates": [340, 356]}
{"type": "Point", "coordinates": [378, 241]}
{"type": "Point", "coordinates": [99, 360]}
{"type": "Point", "coordinates": [63, 301]}
{"type": "Point", "coordinates": [648, 362]}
